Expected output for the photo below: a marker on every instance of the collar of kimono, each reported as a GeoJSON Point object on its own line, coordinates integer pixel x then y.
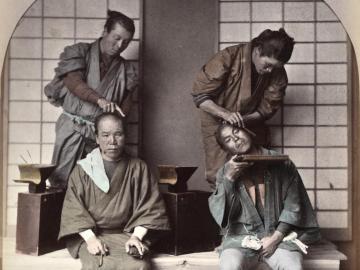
{"type": "Point", "coordinates": [93, 166]}
{"type": "Point", "coordinates": [245, 92]}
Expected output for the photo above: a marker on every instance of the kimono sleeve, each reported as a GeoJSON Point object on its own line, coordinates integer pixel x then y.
{"type": "Point", "coordinates": [149, 207]}
{"type": "Point", "coordinates": [72, 58]}
{"type": "Point", "coordinates": [221, 199]}
{"type": "Point", "coordinates": [273, 94]}
{"type": "Point", "coordinates": [211, 77]}
{"type": "Point", "coordinates": [75, 217]}
{"type": "Point", "coordinates": [297, 209]}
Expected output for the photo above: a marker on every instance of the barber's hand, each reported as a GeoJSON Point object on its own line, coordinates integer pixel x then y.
{"type": "Point", "coordinates": [94, 246]}
{"type": "Point", "coordinates": [270, 243]}
{"type": "Point", "coordinates": [234, 118]}
{"type": "Point", "coordinates": [135, 242]}
{"type": "Point", "coordinates": [234, 169]}
{"type": "Point", "coordinates": [109, 106]}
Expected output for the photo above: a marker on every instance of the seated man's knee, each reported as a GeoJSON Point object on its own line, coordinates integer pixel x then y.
{"type": "Point", "coordinates": [287, 260]}
{"type": "Point", "coordinates": [232, 259]}
{"type": "Point", "coordinates": [231, 264]}
{"type": "Point", "coordinates": [293, 263]}
{"type": "Point", "coordinates": [294, 266]}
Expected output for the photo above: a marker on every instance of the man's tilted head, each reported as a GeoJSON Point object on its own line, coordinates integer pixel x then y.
{"type": "Point", "coordinates": [233, 139]}
{"type": "Point", "coordinates": [110, 135]}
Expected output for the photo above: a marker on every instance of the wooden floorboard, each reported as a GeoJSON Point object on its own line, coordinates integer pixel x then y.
{"type": "Point", "coordinates": [58, 260]}
{"type": "Point", "coordinates": [325, 257]}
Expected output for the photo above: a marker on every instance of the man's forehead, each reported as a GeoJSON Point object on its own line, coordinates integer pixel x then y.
{"type": "Point", "coordinates": [110, 120]}
{"type": "Point", "coordinates": [111, 129]}
{"type": "Point", "coordinates": [227, 130]}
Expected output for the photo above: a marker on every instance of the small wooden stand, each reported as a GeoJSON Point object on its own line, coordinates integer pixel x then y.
{"type": "Point", "coordinates": [175, 177]}
{"type": "Point", "coordinates": [39, 212]}
{"type": "Point", "coordinates": [193, 228]}
{"type": "Point", "coordinates": [35, 175]}
{"type": "Point", "coordinates": [38, 222]}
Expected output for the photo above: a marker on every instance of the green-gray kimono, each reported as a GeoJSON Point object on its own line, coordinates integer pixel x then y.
{"type": "Point", "coordinates": [74, 129]}
{"type": "Point", "coordinates": [286, 201]}
{"type": "Point", "coordinates": [132, 200]}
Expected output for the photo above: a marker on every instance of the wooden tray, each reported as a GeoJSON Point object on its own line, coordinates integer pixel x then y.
{"type": "Point", "coordinates": [261, 158]}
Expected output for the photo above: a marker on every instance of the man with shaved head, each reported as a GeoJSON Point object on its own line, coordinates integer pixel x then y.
{"type": "Point", "coordinates": [112, 204]}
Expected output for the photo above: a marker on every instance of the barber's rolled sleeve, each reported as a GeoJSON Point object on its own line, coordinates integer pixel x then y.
{"type": "Point", "coordinates": [211, 77]}
{"type": "Point", "coordinates": [198, 99]}
{"type": "Point", "coordinates": [75, 83]}
{"type": "Point", "coordinates": [72, 59]}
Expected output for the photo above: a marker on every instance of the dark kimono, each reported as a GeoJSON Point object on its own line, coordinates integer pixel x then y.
{"type": "Point", "coordinates": [226, 80]}
{"type": "Point", "coordinates": [74, 129]}
{"type": "Point", "coordinates": [133, 199]}
{"type": "Point", "coordinates": [286, 201]}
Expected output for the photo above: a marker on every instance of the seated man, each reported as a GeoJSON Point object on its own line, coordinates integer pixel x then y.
{"type": "Point", "coordinates": [112, 204]}
{"type": "Point", "coordinates": [258, 204]}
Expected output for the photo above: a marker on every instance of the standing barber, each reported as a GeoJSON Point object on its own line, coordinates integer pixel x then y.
{"type": "Point", "coordinates": [89, 79]}
{"type": "Point", "coordinates": [243, 85]}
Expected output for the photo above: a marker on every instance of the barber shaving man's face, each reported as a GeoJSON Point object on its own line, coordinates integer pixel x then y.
{"type": "Point", "coordinates": [111, 138]}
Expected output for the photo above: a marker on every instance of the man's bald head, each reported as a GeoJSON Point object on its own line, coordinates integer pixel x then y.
{"type": "Point", "coordinates": [108, 115]}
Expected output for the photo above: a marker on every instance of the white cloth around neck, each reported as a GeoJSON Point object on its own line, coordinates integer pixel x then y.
{"type": "Point", "coordinates": [93, 166]}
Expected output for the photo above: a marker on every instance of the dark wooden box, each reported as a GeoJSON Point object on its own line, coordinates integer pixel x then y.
{"type": "Point", "coordinates": [38, 222]}
{"type": "Point", "coordinates": [193, 228]}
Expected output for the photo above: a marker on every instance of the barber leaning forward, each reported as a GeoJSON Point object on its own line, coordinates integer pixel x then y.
{"type": "Point", "coordinates": [243, 85]}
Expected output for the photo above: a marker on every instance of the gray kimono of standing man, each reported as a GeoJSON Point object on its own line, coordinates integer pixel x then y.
{"type": "Point", "coordinates": [89, 79]}
{"type": "Point", "coordinates": [263, 208]}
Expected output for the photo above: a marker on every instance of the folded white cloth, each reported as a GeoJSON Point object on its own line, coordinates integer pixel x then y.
{"type": "Point", "coordinates": [292, 237]}
{"type": "Point", "coordinates": [252, 242]}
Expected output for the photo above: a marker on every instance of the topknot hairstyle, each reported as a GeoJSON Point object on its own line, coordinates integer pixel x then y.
{"type": "Point", "coordinates": [277, 44]}
{"type": "Point", "coordinates": [114, 17]}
